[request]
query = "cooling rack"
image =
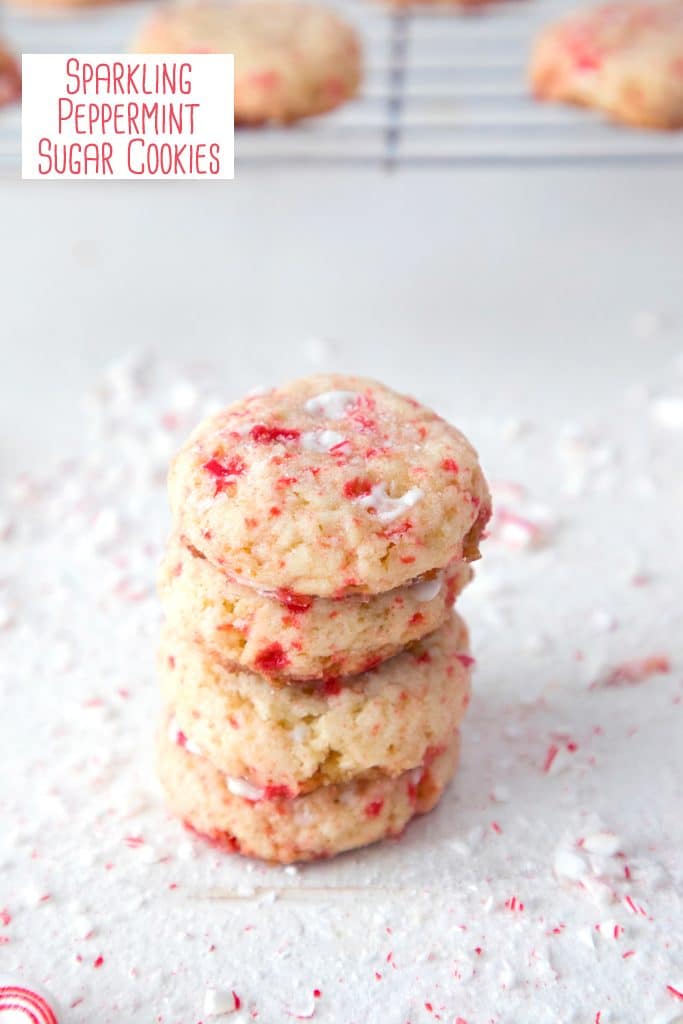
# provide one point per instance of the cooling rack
(443, 88)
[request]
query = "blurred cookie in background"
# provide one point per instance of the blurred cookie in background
(292, 60)
(10, 77)
(625, 59)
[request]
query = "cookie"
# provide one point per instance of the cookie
(316, 637)
(292, 60)
(329, 486)
(625, 59)
(326, 821)
(291, 739)
(10, 77)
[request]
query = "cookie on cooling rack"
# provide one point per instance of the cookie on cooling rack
(10, 77)
(292, 60)
(625, 59)
(326, 821)
(329, 486)
(291, 739)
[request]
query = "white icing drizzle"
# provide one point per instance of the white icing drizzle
(321, 440)
(427, 590)
(177, 736)
(247, 790)
(331, 404)
(386, 508)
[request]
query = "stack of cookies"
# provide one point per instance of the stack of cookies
(314, 672)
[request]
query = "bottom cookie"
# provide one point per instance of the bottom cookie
(319, 824)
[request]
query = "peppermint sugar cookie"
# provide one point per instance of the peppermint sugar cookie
(327, 487)
(623, 58)
(293, 739)
(319, 824)
(316, 637)
(10, 77)
(292, 60)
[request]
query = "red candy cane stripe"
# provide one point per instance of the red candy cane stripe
(33, 1006)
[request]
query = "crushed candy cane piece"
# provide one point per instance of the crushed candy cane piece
(321, 440)
(23, 1002)
(244, 789)
(177, 736)
(637, 670)
(427, 590)
(333, 405)
(386, 508)
(569, 864)
(219, 1002)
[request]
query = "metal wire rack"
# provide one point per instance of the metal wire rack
(444, 87)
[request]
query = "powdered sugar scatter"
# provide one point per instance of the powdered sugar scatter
(566, 804)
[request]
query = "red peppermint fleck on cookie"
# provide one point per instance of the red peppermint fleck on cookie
(24, 1002)
(295, 602)
(272, 658)
(374, 808)
(357, 488)
(465, 659)
(450, 466)
(225, 471)
(262, 434)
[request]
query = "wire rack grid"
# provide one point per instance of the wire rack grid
(444, 86)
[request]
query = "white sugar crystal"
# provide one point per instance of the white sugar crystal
(333, 405)
(218, 1002)
(598, 891)
(459, 847)
(604, 843)
(321, 440)
(386, 508)
(560, 762)
(501, 794)
(245, 789)
(507, 977)
(569, 864)
(586, 937)
(426, 590)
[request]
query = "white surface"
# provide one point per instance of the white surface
(554, 752)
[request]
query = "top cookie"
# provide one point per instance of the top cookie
(10, 77)
(328, 486)
(292, 60)
(623, 58)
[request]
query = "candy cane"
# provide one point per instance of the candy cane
(22, 1005)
